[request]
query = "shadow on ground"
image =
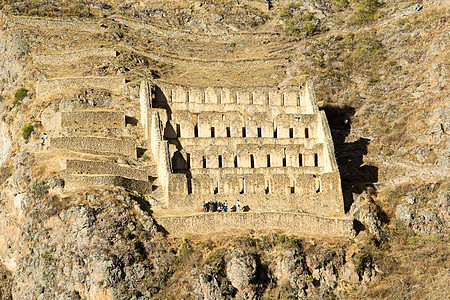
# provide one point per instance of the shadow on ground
(355, 176)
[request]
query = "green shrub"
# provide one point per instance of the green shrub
(365, 11)
(19, 95)
(38, 189)
(26, 131)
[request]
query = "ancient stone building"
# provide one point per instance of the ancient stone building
(269, 148)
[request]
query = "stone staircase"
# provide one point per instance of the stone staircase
(117, 161)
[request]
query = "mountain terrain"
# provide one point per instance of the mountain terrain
(380, 71)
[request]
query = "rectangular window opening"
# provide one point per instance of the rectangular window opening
(284, 161)
(236, 165)
(259, 132)
(291, 133)
(220, 161)
(316, 160)
(267, 190)
(178, 130)
(228, 132)
(204, 162)
(244, 132)
(268, 161)
(306, 133)
(252, 161)
(213, 132)
(300, 160)
(188, 160)
(195, 131)
(189, 186)
(275, 133)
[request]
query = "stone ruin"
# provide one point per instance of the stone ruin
(269, 148)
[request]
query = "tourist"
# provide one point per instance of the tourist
(211, 206)
(205, 206)
(44, 137)
(238, 204)
(225, 206)
(219, 206)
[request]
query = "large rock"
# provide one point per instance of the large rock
(241, 270)
(403, 213)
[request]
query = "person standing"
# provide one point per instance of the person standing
(44, 137)
(225, 206)
(238, 206)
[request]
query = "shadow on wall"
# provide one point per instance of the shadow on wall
(355, 177)
(179, 163)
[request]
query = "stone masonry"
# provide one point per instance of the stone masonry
(270, 149)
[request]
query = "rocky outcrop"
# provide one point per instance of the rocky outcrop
(432, 218)
(5, 142)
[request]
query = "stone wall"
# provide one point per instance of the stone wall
(269, 148)
(61, 58)
(92, 119)
(73, 182)
(47, 87)
(96, 145)
(292, 99)
(85, 167)
(145, 104)
(283, 192)
(230, 223)
(160, 150)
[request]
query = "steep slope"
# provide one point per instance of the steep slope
(381, 70)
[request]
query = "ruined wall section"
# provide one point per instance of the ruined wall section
(96, 145)
(160, 150)
(145, 105)
(67, 57)
(74, 182)
(86, 167)
(51, 86)
(95, 118)
(296, 224)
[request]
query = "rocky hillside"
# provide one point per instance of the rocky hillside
(381, 73)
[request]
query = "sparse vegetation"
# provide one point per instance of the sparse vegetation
(365, 11)
(19, 95)
(299, 23)
(38, 189)
(27, 130)
(43, 8)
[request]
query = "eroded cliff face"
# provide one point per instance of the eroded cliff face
(103, 244)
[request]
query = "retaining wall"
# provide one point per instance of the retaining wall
(229, 223)
(73, 182)
(114, 84)
(62, 58)
(96, 145)
(92, 119)
(81, 167)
